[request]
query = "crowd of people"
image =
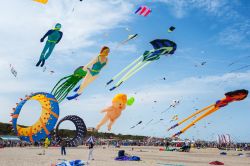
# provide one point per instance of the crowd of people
(9, 143)
(118, 143)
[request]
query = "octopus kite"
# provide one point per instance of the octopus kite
(161, 47)
(89, 72)
(237, 95)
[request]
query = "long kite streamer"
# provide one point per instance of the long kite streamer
(237, 95)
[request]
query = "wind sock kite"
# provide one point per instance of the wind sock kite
(130, 37)
(161, 47)
(136, 125)
(237, 95)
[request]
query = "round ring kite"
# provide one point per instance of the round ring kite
(47, 121)
(81, 130)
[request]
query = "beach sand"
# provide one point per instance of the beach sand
(150, 156)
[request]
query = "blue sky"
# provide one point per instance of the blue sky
(214, 31)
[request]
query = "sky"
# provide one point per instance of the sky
(213, 31)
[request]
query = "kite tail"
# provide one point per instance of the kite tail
(55, 87)
(197, 112)
(61, 90)
(126, 68)
(62, 86)
(177, 134)
(173, 126)
(130, 73)
(66, 91)
(196, 120)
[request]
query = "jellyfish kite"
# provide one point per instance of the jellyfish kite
(161, 47)
(232, 96)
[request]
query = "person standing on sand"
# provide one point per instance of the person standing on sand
(63, 147)
(91, 148)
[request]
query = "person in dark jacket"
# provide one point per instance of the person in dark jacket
(63, 147)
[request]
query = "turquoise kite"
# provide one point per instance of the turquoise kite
(54, 37)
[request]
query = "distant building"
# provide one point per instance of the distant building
(91, 129)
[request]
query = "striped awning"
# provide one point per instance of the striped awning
(9, 138)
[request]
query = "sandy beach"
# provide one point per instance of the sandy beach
(105, 157)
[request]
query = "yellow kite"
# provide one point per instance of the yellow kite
(42, 1)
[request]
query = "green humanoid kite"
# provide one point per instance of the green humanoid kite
(54, 37)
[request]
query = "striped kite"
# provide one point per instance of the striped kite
(143, 11)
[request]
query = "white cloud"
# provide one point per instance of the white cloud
(236, 36)
(182, 8)
(20, 37)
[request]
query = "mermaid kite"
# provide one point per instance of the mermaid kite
(54, 37)
(89, 72)
(161, 47)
